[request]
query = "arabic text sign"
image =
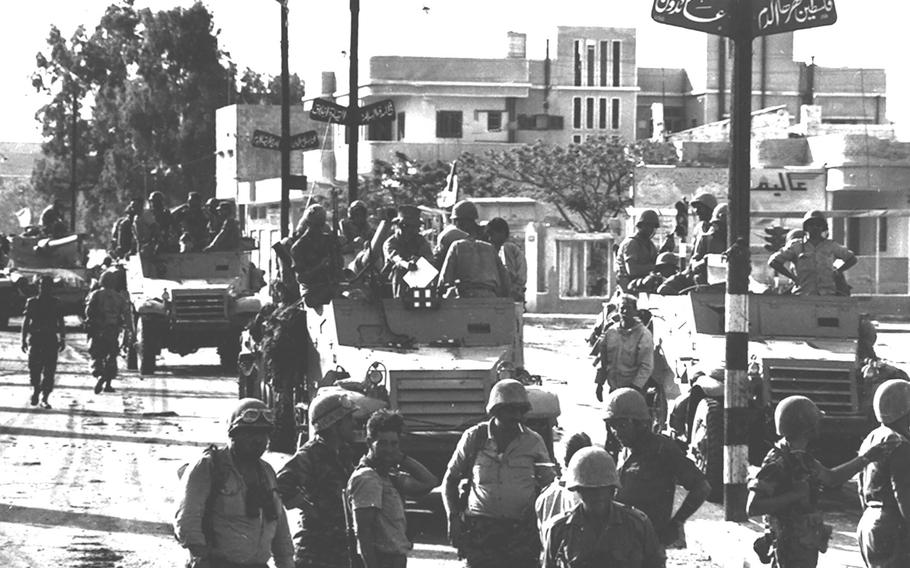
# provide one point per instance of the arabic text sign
(383, 110)
(308, 140)
(778, 16)
(327, 111)
(267, 140)
(711, 16)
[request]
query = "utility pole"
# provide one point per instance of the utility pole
(73, 187)
(353, 111)
(285, 126)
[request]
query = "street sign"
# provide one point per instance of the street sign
(383, 110)
(297, 182)
(778, 16)
(267, 140)
(327, 111)
(711, 16)
(304, 141)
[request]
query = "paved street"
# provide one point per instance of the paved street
(90, 483)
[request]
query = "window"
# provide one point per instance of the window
(590, 61)
(380, 130)
(581, 267)
(882, 234)
(589, 118)
(400, 125)
(617, 49)
(448, 123)
(576, 139)
(614, 114)
(577, 63)
(604, 46)
(576, 112)
(494, 121)
(602, 123)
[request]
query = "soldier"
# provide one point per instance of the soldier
(464, 223)
(211, 213)
(52, 224)
(316, 259)
(193, 223)
(510, 254)
(123, 237)
(651, 466)
(228, 238)
(600, 531)
(154, 227)
(813, 260)
(314, 479)
(665, 269)
(472, 269)
(712, 242)
(377, 490)
(556, 499)
(494, 524)
(703, 204)
(637, 254)
(787, 487)
(405, 247)
(106, 316)
(625, 351)
(354, 230)
(43, 336)
(884, 488)
(230, 514)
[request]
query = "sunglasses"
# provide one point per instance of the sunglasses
(253, 415)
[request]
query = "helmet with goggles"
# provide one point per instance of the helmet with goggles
(251, 414)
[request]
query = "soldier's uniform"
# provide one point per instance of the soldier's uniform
(106, 315)
(316, 261)
(52, 222)
(313, 481)
(798, 532)
(399, 251)
(123, 239)
(44, 332)
(194, 228)
(472, 267)
(633, 250)
(883, 532)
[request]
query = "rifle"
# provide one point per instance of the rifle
(356, 560)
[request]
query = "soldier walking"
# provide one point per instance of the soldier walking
(314, 480)
(107, 314)
(625, 351)
(43, 336)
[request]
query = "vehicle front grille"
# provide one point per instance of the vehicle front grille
(830, 386)
(198, 306)
(443, 400)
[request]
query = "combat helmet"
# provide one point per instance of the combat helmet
(591, 467)
(891, 401)
(250, 414)
(508, 391)
(464, 209)
(705, 198)
(328, 409)
(667, 258)
(648, 217)
(721, 213)
(626, 403)
(314, 215)
(796, 415)
(814, 216)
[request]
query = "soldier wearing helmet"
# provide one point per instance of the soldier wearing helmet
(703, 205)
(230, 513)
(600, 531)
(786, 488)
(123, 236)
(405, 247)
(666, 266)
(494, 525)
(651, 466)
(884, 487)
(317, 261)
(192, 221)
(813, 258)
(556, 498)
(52, 224)
(354, 231)
(472, 269)
(211, 213)
(637, 253)
(43, 336)
(108, 324)
(313, 481)
(228, 237)
(464, 224)
(625, 351)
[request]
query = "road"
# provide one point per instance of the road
(90, 483)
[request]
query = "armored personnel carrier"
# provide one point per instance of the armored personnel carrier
(187, 301)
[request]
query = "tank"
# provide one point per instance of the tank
(62, 259)
(186, 301)
(814, 346)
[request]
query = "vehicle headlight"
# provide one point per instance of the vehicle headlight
(376, 373)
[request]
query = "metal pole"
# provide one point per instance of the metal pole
(736, 386)
(285, 126)
(73, 162)
(352, 127)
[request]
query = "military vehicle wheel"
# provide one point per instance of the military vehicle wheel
(229, 352)
(147, 349)
(707, 445)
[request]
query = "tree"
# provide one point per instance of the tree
(587, 182)
(258, 89)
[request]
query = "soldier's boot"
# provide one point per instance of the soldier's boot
(44, 402)
(35, 395)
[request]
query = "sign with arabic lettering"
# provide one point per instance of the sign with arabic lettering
(778, 16)
(267, 140)
(711, 16)
(327, 111)
(383, 110)
(304, 141)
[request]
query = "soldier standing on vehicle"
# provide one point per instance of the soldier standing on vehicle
(510, 254)
(354, 230)
(556, 499)
(154, 226)
(377, 489)
(405, 247)
(494, 525)
(229, 514)
(52, 224)
(472, 269)
(713, 241)
(625, 351)
(193, 223)
(600, 531)
(316, 258)
(211, 213)
(314, 480)
(228, 238)
(637, 253)
(43, 336)
(884, 487)
(651, 466)
(703, 204)
(813, 259)
(664, 275)
(787, 487)
(123, 237)
(464, 223)
(106, 316)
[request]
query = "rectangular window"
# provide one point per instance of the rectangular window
(448, 123)
(576, 138)
(590, 61)
(400, 125)
(381, 130)
(614, 114)
(604, 47)
(589, 117)
(882, 234)
(494, 121)
(577, 63)
(617, 49)
(602, 123)
(576, 112)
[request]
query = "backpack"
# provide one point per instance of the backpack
(218, 469)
